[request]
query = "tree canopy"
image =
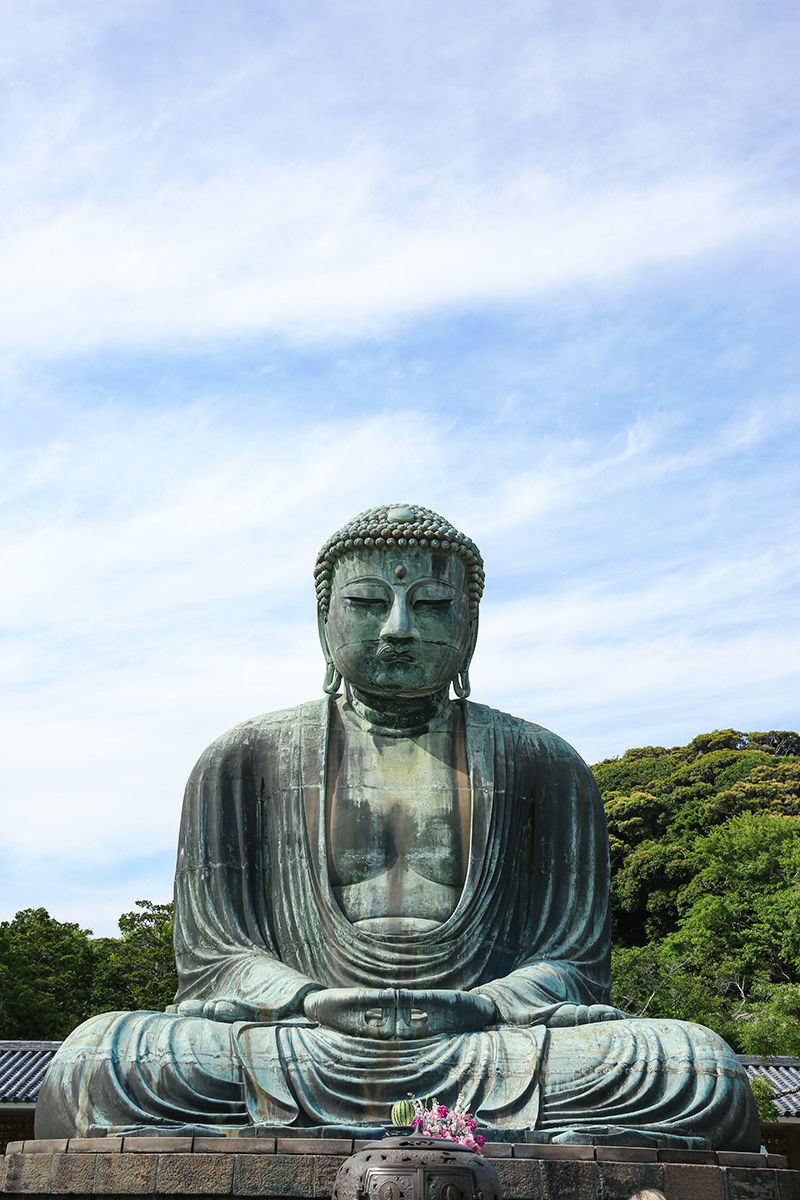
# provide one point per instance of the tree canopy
(53, 974)
(45, 975)
(705, 895)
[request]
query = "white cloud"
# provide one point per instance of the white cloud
(299, 180)
(315, 253)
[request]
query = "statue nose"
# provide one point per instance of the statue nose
(399, 626)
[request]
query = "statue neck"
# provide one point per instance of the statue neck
(398, 716)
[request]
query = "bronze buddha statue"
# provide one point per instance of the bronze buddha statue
(388, 892)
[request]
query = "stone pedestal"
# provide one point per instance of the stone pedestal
(299, 1168)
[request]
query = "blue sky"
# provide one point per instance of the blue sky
(266, 264)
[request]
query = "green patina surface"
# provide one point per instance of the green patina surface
(389, 892)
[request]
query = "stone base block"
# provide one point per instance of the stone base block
(305, 1169)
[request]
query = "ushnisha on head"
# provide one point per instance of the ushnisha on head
(398, 589)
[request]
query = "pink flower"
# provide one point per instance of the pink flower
(480, 1141)
(439, 1121)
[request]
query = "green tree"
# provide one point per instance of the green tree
(54, 975)
(136, 971)
(45, 975)
(659, 802)
(741, 910)
(769, 1021)
(661, 980)
(764, 1092)
(705, 894)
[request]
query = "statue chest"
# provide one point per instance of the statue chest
(397, 826)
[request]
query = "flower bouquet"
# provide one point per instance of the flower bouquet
(439, 1121)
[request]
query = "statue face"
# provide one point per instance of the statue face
(399, 622)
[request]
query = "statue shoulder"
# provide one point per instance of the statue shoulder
(261, 734)
(526, 739)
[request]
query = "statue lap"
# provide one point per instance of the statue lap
(590, 1082)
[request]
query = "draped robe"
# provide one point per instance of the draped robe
(256, 921)
(256, 917)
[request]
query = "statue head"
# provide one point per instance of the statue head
(398, 590)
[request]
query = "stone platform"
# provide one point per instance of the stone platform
(305, 1169)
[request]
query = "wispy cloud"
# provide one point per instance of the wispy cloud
(141, 219)
(309, 253)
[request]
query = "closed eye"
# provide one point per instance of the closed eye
(432, 605)
(365, 604)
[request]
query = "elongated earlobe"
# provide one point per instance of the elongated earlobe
(461, 684)
(333, 680)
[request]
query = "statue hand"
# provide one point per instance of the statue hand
(583, 1014)
(220, 1010)
(398, 1013)
(426, 1013)
(362, 1012)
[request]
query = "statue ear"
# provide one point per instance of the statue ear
(461, 685)
(333, 677)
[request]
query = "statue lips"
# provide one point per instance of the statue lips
(393, 654)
